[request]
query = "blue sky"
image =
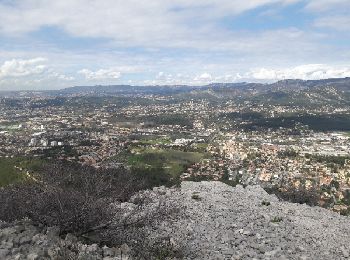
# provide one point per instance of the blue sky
(56, 44)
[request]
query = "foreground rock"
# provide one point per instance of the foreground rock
(22, 240)
(222, 222)
(216, 221)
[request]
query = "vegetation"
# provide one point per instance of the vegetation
(320, 122)
(226, 179)
(201, 147)
(299, 195)
(81, 200)
(155, 176)
(249, 116)
(173, 162)
(13, 170)
(169, 119)
(54, 152)
(336, 122)
(339, 160)
(265, 203)
(196, 196)
(276, 219)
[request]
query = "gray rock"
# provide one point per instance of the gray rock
(300, 234)
(18, 257)
(108, 251)
(54, 252)
(4, 253)
(6, 245)
(345, 252)
(33, 256)
(228, 223)
(71, 238)
(52, 232)
(25, 239)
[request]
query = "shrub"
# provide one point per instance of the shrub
(265, 203)
(196, 196)
(73, 197)
(276, 219)
(299, 195)
(153, 177)
(84, 201)
(133, 229)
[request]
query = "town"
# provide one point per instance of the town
(187, 138)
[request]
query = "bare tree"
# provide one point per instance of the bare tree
(84, 201)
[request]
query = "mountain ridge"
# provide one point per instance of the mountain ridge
(286, 85)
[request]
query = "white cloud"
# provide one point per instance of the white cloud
(338, 22)
(187, 79)
(21, 68)
(306, 72)
(193, 30)
(190, 41)
(30, 74)
(152, 23)
(332, 14)
(204, 77)
(59, 76)
(325, 5)
(100, 74)
(237, 77)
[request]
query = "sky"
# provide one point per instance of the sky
(48, 44)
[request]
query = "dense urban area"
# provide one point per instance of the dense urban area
(291, 137)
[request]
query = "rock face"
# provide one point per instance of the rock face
(217, 222)
(222, 222)
(23, 241)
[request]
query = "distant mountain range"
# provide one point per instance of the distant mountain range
(338, 87)
(288, 84)
(335, 92)
(126, 89)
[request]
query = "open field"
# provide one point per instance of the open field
(172, 161)
(9, 172)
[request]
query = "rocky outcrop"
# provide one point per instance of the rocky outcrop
(222, 222)
(24, 241)
(216, 222)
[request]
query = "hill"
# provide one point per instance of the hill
(284, 92)
(288, 84)
(126, 89)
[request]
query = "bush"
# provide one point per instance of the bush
(154, 177)
(265, 203)
(299, 195)
(85, 201)
(73, 197)
(276, 219)
(133, 226)
(196, 196)
(345, 212)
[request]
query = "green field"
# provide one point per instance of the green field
(172, 161)
(9, 174)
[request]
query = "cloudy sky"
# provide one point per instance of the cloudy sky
(48, 44)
